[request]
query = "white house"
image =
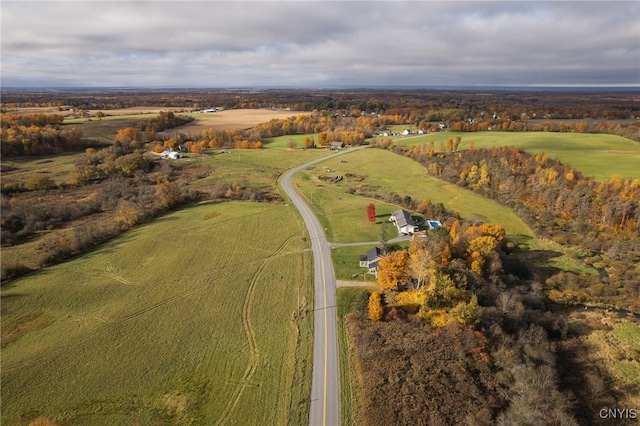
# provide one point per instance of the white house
(171, 155)
(404, 222)
(370, 260)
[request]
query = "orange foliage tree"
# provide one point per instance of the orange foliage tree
(393, 269)
(129, 136)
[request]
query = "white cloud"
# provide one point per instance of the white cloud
(210, 43)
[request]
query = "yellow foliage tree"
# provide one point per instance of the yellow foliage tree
(421, 263)
(454, 231)
(495, 231)
(436, 317)
(411, 300)
(476, 262)
(466, 312)
(483, 245)
(393, 269)
(375, 306)
(126, 214)
(443, 290)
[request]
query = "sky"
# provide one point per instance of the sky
(310, 44)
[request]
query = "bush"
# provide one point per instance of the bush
(14, 270)
(40, 182)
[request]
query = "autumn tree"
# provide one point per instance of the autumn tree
(375, 306)
(126, 215)
(422, 264)
(456, 142)
(467, 313)
(308, 142)
(291, 143)
(492, 230)
(371, 213)
(129, 137)
(393, 269)
(169, 193)
(450, 144)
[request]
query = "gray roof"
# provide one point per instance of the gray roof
(403, 218)
(373, 253)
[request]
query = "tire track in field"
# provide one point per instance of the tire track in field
(252, 363)
(112, 324)
(108, 325)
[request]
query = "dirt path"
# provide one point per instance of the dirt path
(344, 283)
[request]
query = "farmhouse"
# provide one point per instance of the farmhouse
(171, 155)
(370, 260)
(337, 145)
(404, 222)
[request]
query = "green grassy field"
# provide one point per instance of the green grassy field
(137, 116)
(201, 330)
(597, 155)
(58, 168)
(282, 141)
(346, 265)
(345, 215)
(347, 299)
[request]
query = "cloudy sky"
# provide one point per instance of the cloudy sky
(319, 44)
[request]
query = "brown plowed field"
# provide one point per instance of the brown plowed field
(231, 119)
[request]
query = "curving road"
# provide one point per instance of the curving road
(325, 386)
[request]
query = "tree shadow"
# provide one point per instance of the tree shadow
(589, 387)
(538, 262)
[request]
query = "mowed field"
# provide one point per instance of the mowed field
(597, 155)
(190, 319)
(386, 172)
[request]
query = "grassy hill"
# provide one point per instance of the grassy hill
(385, 172)
(181, 321)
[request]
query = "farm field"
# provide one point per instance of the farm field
(142, 331)
(230, 119)
(597, 155)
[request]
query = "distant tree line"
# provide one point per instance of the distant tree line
(412, 104)
(37, 134)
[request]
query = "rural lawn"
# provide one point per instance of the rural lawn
(187, 320)
(385, 172)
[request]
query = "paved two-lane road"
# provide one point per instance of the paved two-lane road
(325, 386)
